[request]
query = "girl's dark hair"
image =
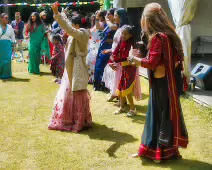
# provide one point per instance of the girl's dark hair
(131, 30)
(83, 22)
(58, 38)
(112, 11)
(142, 47)
(38, 20)
(122, 13)
(102, 14)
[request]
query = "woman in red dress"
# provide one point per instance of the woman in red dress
(164, 130)
(58, 59)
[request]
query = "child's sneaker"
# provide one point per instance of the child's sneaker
(119, 111)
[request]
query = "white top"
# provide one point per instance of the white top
(8, 35)
(116, 38)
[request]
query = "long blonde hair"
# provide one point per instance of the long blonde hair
(154, 20)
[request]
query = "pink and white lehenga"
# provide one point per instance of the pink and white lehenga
(71, 111)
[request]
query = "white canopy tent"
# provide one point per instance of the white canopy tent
(182, 12)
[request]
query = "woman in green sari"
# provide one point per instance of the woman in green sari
(36, 31)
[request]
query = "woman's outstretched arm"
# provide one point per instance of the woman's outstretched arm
(63, 21)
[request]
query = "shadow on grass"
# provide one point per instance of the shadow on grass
(102, 132)
(139, 118)
(144, 96)
(142, 108)
(14, 79)
(178, 164)
(45, 74)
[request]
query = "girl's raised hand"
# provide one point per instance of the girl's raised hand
(55, 8)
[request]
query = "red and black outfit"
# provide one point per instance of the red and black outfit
(58, 61)
(127, 81)
(164, 130)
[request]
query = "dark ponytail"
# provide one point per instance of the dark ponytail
(83, 22)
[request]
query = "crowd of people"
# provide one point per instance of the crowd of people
(101, 50)
(45, 44)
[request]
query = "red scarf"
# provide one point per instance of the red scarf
(175, 109)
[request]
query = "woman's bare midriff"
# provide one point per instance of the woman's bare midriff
(160, 71)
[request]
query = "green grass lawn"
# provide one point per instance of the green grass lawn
(26, 103)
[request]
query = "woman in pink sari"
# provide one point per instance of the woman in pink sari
(71, 110)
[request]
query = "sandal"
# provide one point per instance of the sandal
(136, 155)
(110, 99)
(119, 111)
(131, 113)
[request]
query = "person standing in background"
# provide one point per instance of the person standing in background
(55, 29)
(58, 58)
(18, 26)
(36, 32)
(97, 35)
(7, 41)
(102, 59)
(45, 44)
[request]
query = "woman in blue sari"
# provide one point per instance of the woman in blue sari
(102, 57)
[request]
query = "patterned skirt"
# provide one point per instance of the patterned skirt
(127, 82)
(71, 111)
(57, 66)
(157, 138)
